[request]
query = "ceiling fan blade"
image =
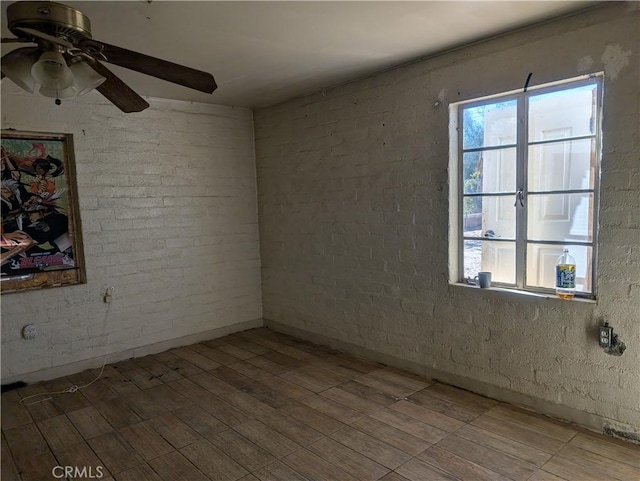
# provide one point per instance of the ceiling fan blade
(171, 72)
(14, 40)
(118, 92)
(37, 34)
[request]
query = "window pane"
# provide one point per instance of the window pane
(560, 217)
(489, 217)
(489, 125)
(490, 171)
(541, 265)
(562, 165)
(499, 258)
(563, 113)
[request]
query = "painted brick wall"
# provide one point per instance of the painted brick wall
(353, 209)
(169, 218)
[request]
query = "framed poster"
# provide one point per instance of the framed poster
(41, 244)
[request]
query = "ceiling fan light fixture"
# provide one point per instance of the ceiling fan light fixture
(85, 79)
(17, 68)
(51, 71)
(57, 94)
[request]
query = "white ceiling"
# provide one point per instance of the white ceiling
(265, 52)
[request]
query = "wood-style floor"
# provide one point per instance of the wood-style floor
(259, 405)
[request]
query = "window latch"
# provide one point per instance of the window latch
(519, 199)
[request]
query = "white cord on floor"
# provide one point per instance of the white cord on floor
(70, 389)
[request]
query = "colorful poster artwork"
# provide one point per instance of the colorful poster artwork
(37, 233)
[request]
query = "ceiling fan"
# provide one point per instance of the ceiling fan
(67, 61)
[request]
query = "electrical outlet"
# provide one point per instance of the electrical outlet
(606, 335)
(29, 331)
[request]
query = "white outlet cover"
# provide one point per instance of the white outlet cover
(29, 331)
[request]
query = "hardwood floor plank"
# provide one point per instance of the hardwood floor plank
(117, 413)
(313, 468)
(241, 450)
(405, 379)
(39, 410)
(8, 468)
(313, 379)
(457, 466)
(267, 365)
(203, 362)
(175, 431)
(598, 463)
(89, 422)
(38, 467)
(518, 433)
(615, 450)
(236, 352)
(59, 432)
(293, 429)
(428, 416)
(25, 442)
(265, 394)
(335, 410)
(144, 472)
(369, 393)
(571, 471)
(410, 425)
(169, 398)
(145, 440)
(200, 421)
(496, 461)
(350, 461)
(114, 452)
(251, 371)
(115, 381)
(267, 438)
(392, 436)
(519, 450)
(158, 369)
(213, 353)
(547, 426)
(287, 388)
(313, 418)
(175, 467)
(226, 413)
(213, 462)
(418, 470)
(82, 456)
(375, 449)
(277, 472)
(178, 364)
(353, 401)
(461, 397)
(444, 406)
(541, 475)
(142, 378)
(387, 387)
(144, 404)
(248, 404)
(287, 361)
(13, 414)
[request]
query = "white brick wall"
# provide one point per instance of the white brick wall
(169, 216)
(353, 208)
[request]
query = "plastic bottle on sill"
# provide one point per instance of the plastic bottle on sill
(566, 276)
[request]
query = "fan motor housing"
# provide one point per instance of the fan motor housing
(49, 17)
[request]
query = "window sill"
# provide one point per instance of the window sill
(515, 292)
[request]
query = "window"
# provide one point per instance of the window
(524, 185)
